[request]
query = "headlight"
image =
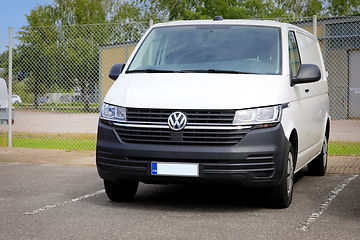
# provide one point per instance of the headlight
(258, 116)
(113, 113)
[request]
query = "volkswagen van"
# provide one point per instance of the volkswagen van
(242, 102)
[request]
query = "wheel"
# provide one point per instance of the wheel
(121, 191)
(317, 167)
(281, 195)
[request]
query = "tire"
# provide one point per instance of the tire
(121, 191)
(281, 195)
(317, 167)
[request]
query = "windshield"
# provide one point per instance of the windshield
(210, 48)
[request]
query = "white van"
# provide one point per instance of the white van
(3, 94)
(4, 103)
(216, 101)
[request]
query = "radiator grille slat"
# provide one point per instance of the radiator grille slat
(185, 137)
(222, 117)
(165, 136)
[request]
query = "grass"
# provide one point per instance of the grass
(87, 141)
(67, 141)
(344, 148)
(60, 107)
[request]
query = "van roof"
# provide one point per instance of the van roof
(223, 22)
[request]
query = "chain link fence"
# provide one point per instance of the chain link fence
(339, 39)
(60, 78)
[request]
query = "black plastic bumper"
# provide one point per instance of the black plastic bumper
(256, 161)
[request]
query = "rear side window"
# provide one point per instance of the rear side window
(294, 54)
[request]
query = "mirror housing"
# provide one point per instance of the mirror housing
(116, 70)
(308, 73)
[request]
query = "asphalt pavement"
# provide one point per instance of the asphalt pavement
(44, 201)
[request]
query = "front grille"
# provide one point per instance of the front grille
(259, 165)
(204, 128)
(195, 117)
(165, 136)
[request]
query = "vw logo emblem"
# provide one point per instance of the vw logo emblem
(177, 121)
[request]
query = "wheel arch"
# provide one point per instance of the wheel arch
(293, 139)
(327, 129)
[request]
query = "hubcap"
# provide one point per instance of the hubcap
(290, 174)
(325, 150)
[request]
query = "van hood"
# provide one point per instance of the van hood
(196, 91)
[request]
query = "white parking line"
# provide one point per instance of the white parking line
(7, 163)
(61, 204)
(323, 206)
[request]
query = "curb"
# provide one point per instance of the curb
(343, 165)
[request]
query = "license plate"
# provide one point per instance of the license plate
(175, 169)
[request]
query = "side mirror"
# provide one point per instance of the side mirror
(115, 70)
(308, 73)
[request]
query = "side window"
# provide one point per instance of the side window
(294, 54)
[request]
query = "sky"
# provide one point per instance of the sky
(12, 14)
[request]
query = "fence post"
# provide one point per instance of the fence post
(151, 22)
(315, 25)
(10, 89)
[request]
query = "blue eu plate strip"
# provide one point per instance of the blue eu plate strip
(153, 168)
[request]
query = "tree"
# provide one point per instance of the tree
(60, 51)
(4, 59)
(344, 7)
(238, 9)
(207, 9)
(301, 8)
(314, 7)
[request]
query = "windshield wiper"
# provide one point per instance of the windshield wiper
(150, 70)
(215, 71)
